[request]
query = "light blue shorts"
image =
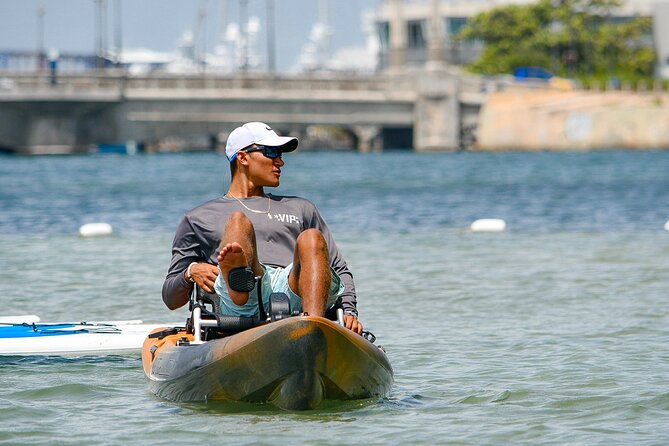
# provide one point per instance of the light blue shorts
(274, 280)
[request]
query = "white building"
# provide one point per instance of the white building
(412, 32)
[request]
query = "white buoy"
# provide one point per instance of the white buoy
(666, 226)
(95, 229)
(488, 225)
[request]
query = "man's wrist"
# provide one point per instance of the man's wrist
(188, 276)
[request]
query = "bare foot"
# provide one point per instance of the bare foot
(232, 256)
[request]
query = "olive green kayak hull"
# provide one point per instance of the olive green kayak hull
(295, 364)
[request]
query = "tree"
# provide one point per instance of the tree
(575, 38)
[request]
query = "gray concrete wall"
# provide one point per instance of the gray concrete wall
(12, 128)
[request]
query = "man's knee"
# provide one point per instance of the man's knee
(312, 240)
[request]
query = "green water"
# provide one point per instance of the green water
(554, 332)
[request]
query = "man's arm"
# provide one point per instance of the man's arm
(185, 250)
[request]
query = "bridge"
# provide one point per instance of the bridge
(43, 112)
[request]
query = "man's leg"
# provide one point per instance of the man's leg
(238, 249)
(310, 277)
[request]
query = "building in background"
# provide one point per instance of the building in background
(407, 33)
(661, 37)
(399, 34)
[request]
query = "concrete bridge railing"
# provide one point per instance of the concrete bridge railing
(120, 82)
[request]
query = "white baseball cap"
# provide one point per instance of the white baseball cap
(256, 133)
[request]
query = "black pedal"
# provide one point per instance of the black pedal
(279, 306)
(242, 279)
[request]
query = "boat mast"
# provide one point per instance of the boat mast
(271, 49)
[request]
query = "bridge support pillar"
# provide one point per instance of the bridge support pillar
(51, 135)
(437, 112)
(52, 128)
(12, 130)
(368, 137)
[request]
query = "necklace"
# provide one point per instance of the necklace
(269, 206)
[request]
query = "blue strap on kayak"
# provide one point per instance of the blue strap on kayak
(36, 330)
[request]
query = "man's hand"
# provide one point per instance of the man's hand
(204, 274)
(352, 323)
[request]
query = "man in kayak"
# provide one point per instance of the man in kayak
(282, 239)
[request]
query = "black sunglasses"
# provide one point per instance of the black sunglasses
(269, 152)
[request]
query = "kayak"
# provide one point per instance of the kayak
(294, 363)
(25, 335)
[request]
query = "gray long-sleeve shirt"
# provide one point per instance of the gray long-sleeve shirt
(198, 237)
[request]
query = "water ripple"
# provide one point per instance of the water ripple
(554, 332)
